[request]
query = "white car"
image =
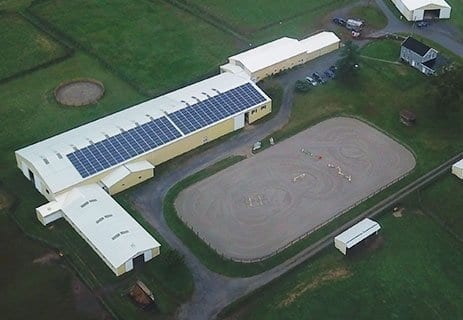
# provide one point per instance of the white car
(311, 81)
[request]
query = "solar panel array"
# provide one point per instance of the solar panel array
(216, 108)
(128, 144)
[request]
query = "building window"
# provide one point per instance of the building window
(253, 111)
(46, 190)
(263, 107)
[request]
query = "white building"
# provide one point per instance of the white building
(281, 54)
(457, 169)
(109, 230)
(356, 234)
(417, 10)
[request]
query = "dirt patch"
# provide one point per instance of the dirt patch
(79, 92)
(5, 200)
(329, 276)
(398, 213)
(47, 259)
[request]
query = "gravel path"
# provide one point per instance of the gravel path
(213, 291)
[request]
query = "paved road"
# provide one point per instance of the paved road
(213, 291)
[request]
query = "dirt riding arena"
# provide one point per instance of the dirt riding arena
(253, 208)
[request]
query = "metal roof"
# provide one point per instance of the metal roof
(282, 49)
(418, 4)
(49, 158)
(358, 232)
(106, 226)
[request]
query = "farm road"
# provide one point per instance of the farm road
(213, 291)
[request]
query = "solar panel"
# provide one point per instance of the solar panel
(216, 108)
(116, 149)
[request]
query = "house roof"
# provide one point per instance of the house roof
(416, 46)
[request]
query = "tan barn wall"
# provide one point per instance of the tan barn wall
(259, 112)
(278, 67)
(131, 180)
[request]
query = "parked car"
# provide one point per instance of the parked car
(311, 81)
(422, 24)
(329, 74)
(339, 21)
(333, 69)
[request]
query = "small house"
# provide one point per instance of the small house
(418, 55)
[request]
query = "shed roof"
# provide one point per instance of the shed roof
(458, 164)
(116, 236)
(418, 4)
(358, 232)
(416, 46)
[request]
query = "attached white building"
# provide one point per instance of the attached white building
(457, 169)
(417, 10)
(356, 234)
(281, 54)
(109, 230)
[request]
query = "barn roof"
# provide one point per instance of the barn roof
(358, 232)
(419, 4)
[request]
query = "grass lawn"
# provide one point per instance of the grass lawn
(456, 15)
(23, 47)
(260, 19)
(413, 273)
(372, 15)
(152, 43)
(386, 89)
(443, 198)
(385, 49)
(28, 104)
(20, 276)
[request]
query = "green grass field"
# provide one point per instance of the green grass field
(443, 198)
(372, 15)
(413, 271)
(155, 45)
(260, 20)
(23, 47)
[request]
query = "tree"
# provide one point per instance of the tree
(349, 61)
(447, 90)
(303, 86)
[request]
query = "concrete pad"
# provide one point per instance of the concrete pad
(257, 206)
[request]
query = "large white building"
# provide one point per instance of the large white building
(457, 169)
(417, 10)
(281, 54)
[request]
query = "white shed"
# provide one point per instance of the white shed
(417, 10)
(356, 234)
(457, 169)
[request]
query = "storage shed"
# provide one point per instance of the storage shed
(457, 169)
(417, 10)
(356, 234)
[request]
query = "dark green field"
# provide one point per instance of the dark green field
(155, 45)
(412, 271)
(261, 21)
(23, 47)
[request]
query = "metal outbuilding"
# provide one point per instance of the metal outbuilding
(356, 234)
(281, 54)
(457, 169)
(417, 10)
